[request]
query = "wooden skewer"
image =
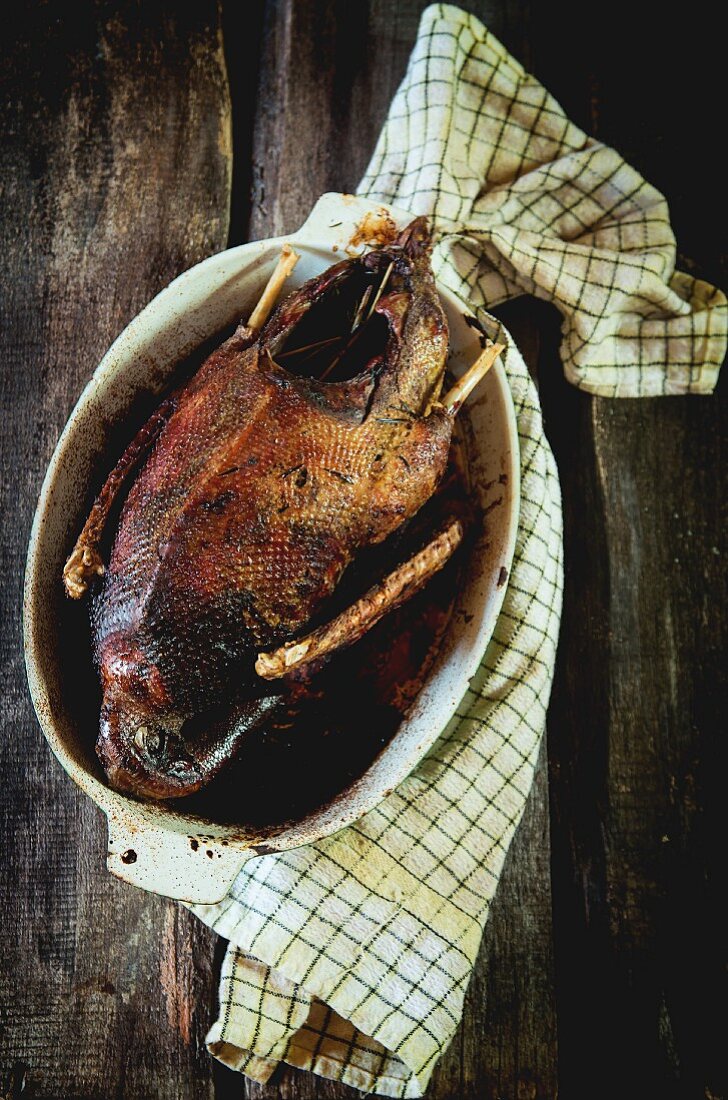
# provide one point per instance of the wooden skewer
(454, 397)
(284, 267)
(362, 306)
(311, 347)
(380, 290)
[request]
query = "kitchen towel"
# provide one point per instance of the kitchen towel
(351, 957)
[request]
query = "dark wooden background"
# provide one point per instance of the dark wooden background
(137, 138)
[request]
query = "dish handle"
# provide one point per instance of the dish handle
(172, 861)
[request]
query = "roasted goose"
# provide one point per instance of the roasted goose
(252, 490)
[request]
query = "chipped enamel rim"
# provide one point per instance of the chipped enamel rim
(156, 847)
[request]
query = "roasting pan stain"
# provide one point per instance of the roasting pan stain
(377, 228)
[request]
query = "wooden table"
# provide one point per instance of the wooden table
(140, 138)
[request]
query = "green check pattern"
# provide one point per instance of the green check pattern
(527, 203)
(351, 957)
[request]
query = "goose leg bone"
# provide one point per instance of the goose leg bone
(362, 615)
(85, 561)
(454, 398)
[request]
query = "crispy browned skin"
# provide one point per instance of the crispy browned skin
(260, 489)
(350, 625)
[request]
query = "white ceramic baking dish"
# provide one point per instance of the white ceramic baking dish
(160, 847)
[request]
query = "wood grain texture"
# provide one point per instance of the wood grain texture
(636, 733)
(116, 172)
(605, 953)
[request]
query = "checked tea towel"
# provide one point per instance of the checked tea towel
(351, 957)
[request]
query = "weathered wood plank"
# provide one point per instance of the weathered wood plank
(509, 1028)
(636, 729)
(115, 166)
(115, 169)
(637, 734)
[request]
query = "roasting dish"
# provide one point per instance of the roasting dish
(166, 847)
